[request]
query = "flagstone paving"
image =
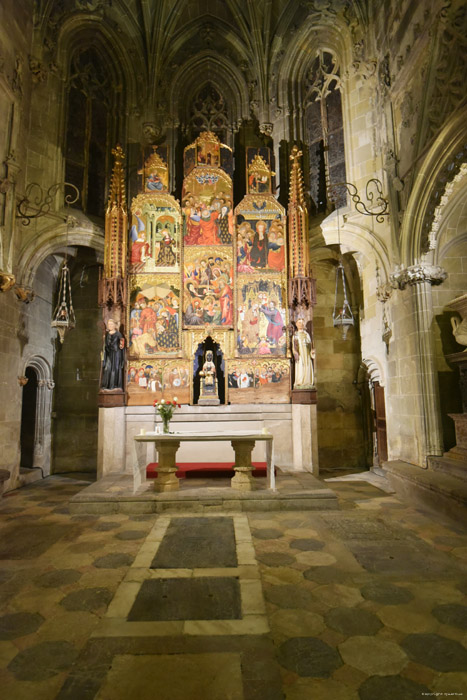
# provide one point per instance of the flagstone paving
(363, 603)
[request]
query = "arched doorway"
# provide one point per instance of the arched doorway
(218, 359)
(374, 413)
(28, 419)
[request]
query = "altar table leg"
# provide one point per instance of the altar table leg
(166, 471)
(243, 479)
(270, 465)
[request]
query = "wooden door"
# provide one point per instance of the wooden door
(380, 423)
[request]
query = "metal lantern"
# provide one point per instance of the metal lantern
(63, 318)
(342, 315)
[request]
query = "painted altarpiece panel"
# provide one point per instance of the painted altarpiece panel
(259, 381)
(261, 234)
(155, 233)
(154, 315)
(208, 287)
(261, 315)
(158, 379)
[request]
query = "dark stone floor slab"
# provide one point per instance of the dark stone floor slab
(29, 541)
(452, 614)
(307, 545)
(86, 547)
(203, 598)
(363, 528)
(436, 652)
(392, 688)
(105, 526)
(267, 534)
(403, 559)
(19, 624)
(326, 574)
(113, 561)
(275, 558)
(386, 593)
(352, 621)
(309, 656)
(87, 599)
(43, 661)
(193, 543)
(57, 578)
(131, 535)
(290, 596)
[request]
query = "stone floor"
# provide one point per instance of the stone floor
(368, 602)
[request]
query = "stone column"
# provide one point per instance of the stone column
(421, 277)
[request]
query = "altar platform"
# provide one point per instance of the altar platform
(298, 491)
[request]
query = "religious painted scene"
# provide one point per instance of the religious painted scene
(233, 349)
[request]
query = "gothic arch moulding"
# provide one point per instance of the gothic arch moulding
(45, 385)
(441, 166)
(371, 367)
(56, 239)
(214, 70)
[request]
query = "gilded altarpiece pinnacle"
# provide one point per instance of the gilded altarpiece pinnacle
(112, 289)
(302, 288)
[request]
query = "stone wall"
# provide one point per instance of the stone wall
(77, 375)
(340, 429)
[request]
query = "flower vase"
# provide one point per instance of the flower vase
(165, 424)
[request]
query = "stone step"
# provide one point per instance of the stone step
(430, 487)
(452, 467)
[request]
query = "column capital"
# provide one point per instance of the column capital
(414, 274)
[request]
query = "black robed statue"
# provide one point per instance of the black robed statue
(113, 357)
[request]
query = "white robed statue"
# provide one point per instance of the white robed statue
(304, 354)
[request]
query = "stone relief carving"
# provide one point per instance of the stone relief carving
(448, 88)
(16, 80)
(459, 328)
(361, 65)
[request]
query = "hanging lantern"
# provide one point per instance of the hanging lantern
(342, 315)
(63, 318)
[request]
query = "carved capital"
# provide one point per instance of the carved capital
(416, 274)
(22, 381)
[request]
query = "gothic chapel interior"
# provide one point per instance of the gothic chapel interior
(257, 211)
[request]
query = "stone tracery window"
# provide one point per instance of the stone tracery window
(324, 129)
(209, 113)
(87, 132)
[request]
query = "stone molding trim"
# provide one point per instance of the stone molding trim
(434, 274)
(45, 385)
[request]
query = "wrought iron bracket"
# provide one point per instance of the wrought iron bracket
(37, 202)
(374, 196)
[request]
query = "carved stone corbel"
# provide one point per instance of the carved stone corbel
(24, 294)
(7, 281)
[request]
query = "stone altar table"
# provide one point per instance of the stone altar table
(167, 444)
